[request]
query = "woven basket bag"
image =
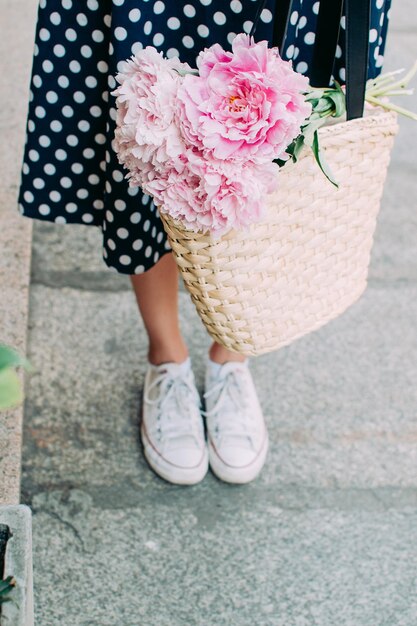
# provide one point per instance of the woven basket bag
(307, 261)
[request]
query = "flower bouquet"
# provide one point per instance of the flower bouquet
(264, 260)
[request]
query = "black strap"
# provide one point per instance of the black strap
(281, 18)
(358, 15)
(325, 43)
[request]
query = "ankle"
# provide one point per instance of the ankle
(167, 354)
(220, 355)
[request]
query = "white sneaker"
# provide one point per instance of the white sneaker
(172, 428)
(237, 434)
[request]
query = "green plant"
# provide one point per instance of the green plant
(6, 586)
(11, 392)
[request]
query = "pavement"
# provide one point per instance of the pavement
(326, 536)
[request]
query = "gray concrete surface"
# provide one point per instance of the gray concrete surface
(326, 536)
(15, 235)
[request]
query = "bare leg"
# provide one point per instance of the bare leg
(157, 295)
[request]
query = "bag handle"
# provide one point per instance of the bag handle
(358, 14)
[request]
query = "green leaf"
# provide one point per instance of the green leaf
(10, 389)
(319, 156)
(11, 358)
(6, 586)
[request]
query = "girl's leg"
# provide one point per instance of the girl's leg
(157, 295)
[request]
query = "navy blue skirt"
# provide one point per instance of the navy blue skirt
(70, 173)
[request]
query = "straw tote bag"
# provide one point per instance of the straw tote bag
(307, 261)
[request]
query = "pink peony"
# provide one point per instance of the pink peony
(146, 128)
(245, 104)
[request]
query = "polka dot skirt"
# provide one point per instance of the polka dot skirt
(70, 173)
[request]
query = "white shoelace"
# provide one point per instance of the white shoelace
(231, 414)
(178, 404)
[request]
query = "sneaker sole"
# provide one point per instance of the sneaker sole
(169, 472)
(237, 475)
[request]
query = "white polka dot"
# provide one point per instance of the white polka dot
(44, 141)
(70, 34)
(55, 196)
(158, 7)
(316, 7)
(33, 155)
(342, 73)
(52, 97)
(107, 20)
(202, 30)
(189, 10)
(31, 126)
(84, 126)
(82, 19)
(134, 15)
(236, 6)
(93, 179)
(25, 168)
(145, 199)
(79, 97)
(302, 22)
(71, 207)
(63, 81)
(82, 194)
(40, 112)
(159, 237)
(97, 36)
(55, 18)
(266, 16)
(301, 67)
(72, 140)
(120, 33)
(123, 233)
(59, 50)
(37, 81)
(60, 154)
(294, 18)
(35, 50)
(172, 52)
(98, 204)
(100, 139)
(47, 66)
(38, 183)
(137, 244)
(138, 45)
(187, 41)
(65, 182)
(296, 53)
(117, 176)
(75, 67)
(135, 218)
(343, 21)
(173, 23)
(67, 4)
(373, 35)
(120, 205)
(247, 26)
(309, 38)
(87, 218)
(125, 259)
(49, 169)
(338, 52)
(67, 111)
(86, 51)
(158, 39)
(44, 34)
(147, 28)
(56, 126)
(148, 251)
(88, 153)
(231, 37)
(219, 18)
(92, 5)
(132, 191)
(379, 4)
(146, 226)
(44, 209)
(139, 269)
(206, 3)
(91, 82)
(102, 67)
(110, 243)
(95, 111)
(60, 220)
(28, 196)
